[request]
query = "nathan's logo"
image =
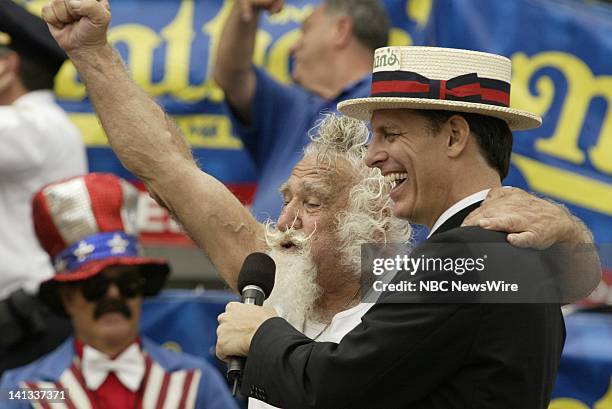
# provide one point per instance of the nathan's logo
(574, 182)
(569, 403)
(387, 58)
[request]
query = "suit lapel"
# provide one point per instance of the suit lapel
(455, 220)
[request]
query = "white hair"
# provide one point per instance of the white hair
(296, 289)
(368, 217)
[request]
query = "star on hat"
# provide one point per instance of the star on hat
(117, 244)
(83, 251)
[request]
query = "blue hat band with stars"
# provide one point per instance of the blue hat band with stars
(98, 246)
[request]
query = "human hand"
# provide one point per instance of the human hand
(532, 222)
(78, 25)
(237, 325)
(249, 7)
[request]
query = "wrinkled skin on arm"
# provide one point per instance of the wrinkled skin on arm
(149, 144)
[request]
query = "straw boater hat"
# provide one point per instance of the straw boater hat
(86, 224)
(436, 78)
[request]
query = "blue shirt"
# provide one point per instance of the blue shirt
(282, 117)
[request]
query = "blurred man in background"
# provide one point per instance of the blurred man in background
(38, 144)
(88, 226)
(332, 61)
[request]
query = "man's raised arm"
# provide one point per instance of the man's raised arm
(147, 141)
(233, 70)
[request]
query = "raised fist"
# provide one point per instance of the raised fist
(78, 24)
(248, 7)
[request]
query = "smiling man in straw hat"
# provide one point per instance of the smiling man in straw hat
(442, 136)
(155, 150)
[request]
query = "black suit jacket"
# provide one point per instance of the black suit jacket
(411, 355)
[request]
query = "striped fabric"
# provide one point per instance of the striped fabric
(159, 389)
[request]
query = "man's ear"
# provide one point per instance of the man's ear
(344, 31)
(13, 62)
(9, 70)
(458, 135)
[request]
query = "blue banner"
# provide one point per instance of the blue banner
(560, 49)
(561, 52)
(584, 379)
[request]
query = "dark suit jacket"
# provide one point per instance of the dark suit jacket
(419, 355)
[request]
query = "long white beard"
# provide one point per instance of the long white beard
(295, 289)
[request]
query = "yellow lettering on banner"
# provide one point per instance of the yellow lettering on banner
(90, 128)
(582, 87)
(419, 10)
(565, 185)
(66, 85)
(213, 29)
(291, 13)
(397, 36)
(278, 59)
(141, 42)
(178, 36)
(201, 131)
(606, 401)
(35, 6)
(566, 403)
(208, 131)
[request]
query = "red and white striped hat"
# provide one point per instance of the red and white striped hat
(88, 223)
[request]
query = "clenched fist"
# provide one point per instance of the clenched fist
(248, 7)
(78, 25)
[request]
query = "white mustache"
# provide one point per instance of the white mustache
(281, 239)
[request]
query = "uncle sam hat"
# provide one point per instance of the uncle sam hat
(88, 223)
(435, 78)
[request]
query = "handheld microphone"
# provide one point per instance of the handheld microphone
(255, 283)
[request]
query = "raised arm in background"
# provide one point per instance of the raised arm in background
(149, 144)
(233, 69)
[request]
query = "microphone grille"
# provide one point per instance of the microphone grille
(258, 269)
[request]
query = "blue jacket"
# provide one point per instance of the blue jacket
(193, 377)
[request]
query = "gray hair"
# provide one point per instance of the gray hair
(370, 21)
(368, 217)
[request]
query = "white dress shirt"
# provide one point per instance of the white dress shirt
(457, 207)
(38, 145)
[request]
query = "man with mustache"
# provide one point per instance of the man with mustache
(316, 195)
(87, 225)
(442, 131)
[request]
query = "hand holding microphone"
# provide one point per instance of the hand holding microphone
(239, 322)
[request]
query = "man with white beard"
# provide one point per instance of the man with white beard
(331, 196)
(333, 204)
